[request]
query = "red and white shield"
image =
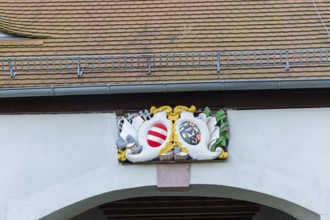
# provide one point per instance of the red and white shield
(157, 135)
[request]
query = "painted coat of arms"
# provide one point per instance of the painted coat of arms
(180, 134)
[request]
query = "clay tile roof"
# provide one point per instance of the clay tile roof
(97, 27)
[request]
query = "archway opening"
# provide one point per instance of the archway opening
(182, 207)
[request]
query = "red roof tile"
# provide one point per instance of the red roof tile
(88, 27)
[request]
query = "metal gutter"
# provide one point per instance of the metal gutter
(163, 87)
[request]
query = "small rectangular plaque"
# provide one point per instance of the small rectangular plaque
(173, 177)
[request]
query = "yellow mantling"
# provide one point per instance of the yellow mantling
(173, 116)
(121, 155)
(223, 155)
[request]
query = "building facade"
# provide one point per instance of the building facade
(71, 69)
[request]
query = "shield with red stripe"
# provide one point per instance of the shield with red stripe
(157, 135)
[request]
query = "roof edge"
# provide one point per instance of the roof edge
(163, 87)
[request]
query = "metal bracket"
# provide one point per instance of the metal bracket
(218, 62)
(287, 64)
(80, 71)
(149, 63)
(12, 72)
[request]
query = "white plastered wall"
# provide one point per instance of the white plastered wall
(7, 36)
(56, 166)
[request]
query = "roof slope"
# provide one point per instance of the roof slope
(88, 27)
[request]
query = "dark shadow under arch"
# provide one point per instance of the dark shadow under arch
(182, 207)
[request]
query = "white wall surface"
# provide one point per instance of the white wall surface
(325, 217)
(6, 36)
(53, 167)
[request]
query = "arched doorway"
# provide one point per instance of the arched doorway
(186, 208)
(264, 201)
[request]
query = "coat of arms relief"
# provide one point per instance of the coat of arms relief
(181, 134)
